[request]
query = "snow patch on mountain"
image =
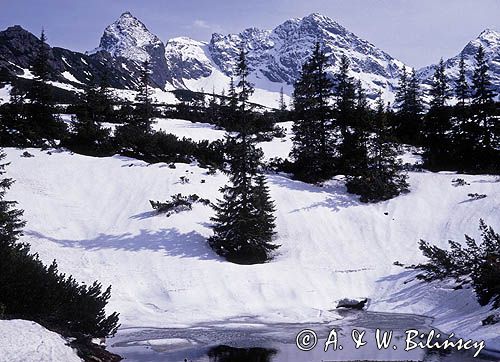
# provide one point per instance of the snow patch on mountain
(5, 93)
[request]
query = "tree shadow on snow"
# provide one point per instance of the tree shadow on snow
(145, 215)
(336, 196)
(171, 241)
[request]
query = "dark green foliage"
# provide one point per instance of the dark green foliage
(192, 106)
(13, 122)
(476, 134)
(143, 106)
(166, 147)
(244, 222)
(42, 125)
(408, 122)
(265, 209)
(353, 118)
(462, 89)
(88, 135)
(381, 176)
(481, 90)
(31, 290)
(133, 136)
(32, 123)
(478, 264)
(313, 149)
(437, 123)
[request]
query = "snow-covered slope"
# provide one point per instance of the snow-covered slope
(490, 40)
(24, 341)
(93, 216)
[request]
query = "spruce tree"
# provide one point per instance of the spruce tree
(10, 218)
(313, 149)
(133, 135)
(462, 87)
(409, 108)
(213, 109)
(13, 125)
(144, 107)
(437, 124)
(265, 208)
(481, 81)
(244, 89)
(483, 130)
(89, 136)
(244, 222)
(401, 91)
(350, 107)
(282, 104)
(104, 110)
(230, 123)
(282, 111)
(43, 126)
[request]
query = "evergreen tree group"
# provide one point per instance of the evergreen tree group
(313, 149)
(93, 108)
(133, 134)
(409, 108)
(464, 137)
(31, 119)
(335, 132)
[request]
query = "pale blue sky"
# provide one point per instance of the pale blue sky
(417, 32)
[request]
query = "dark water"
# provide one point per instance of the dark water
(278, 342)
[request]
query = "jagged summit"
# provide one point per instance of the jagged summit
(128, 37)
(277, 55)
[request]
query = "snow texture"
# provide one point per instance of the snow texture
(25, 341)
(94, 217)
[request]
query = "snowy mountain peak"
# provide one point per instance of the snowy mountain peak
(489, 39)
(490, 35)
(277, 55)
(322, 21)
(128, 37)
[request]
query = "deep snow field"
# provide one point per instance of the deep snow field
(93, 216)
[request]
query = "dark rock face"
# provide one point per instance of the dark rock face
(18, 49)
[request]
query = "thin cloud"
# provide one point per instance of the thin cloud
(203, 24)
